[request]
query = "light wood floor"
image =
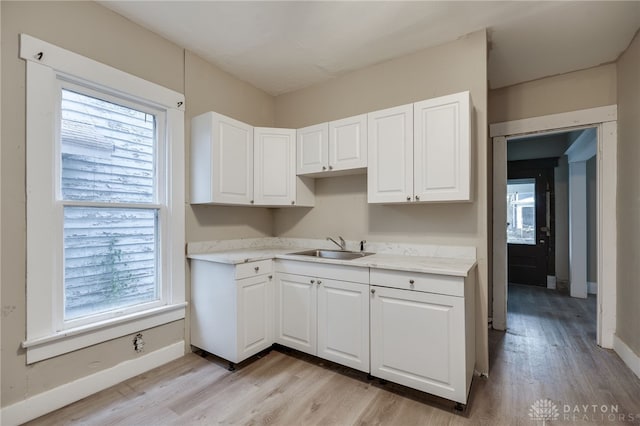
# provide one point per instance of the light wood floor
(549, 352)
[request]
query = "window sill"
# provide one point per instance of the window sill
(80, 337)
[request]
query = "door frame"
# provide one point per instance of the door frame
(604, 119)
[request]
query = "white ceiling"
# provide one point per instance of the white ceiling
(283, 46)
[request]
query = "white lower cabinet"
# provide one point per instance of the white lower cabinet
(296, 312)
(415, 329)
(232, 308)
(420, 339)
(324, 316)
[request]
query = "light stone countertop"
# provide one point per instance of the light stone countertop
(421, 264)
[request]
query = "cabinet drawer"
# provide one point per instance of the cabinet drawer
(430, 283)
(252, 269)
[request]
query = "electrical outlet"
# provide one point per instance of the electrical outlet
(138, 343)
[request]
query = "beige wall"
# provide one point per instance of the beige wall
(573, 91)
(341, 202)
(628, 295)
(207, 88)
(91, 30)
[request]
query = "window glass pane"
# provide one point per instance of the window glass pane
(107, 151)
(521, 211)
(110, 259)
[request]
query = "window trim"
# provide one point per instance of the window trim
(46, 66)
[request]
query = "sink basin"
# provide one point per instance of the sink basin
(333, 254)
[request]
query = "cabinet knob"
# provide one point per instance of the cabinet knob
(411, 282)
(257, 268)
(251, 202)
(417, 198)
(324, 168)
(330, 167)
(270, 277)
(373, 291)
(319, 282)
(313, 281)
(292, 202)
(408, 198)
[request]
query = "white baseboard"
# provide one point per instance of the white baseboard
(51, 400)
(592, 288)
(551, 282)
(628, 356)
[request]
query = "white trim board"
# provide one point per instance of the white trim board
(555, 121)
(51, 400)
(627, 355)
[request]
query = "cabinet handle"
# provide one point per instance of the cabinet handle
(319, 282)
(408, 198)
(417, 198)
(251, 202)
(330, 167)
(270, 277)
(324, 168)
(411, 281)
(292, 203)
(313, 281)
(257, 268)
(373, 291)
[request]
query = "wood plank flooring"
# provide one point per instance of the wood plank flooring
(549, 352)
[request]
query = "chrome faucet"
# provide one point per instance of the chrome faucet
(341, 244)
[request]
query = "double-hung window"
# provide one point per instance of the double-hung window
(105, 203)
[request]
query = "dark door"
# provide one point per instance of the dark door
(531, 251)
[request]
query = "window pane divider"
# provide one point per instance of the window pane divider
(97, 204)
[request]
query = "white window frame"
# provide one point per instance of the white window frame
(48, 69)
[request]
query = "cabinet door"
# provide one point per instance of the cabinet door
(221, 160)
(417, 340)
(274, 166)
(442, 149)
(343, 323)
(296, 312)
(390, 174)
(255, 315)
(348, 143)
(312, 149)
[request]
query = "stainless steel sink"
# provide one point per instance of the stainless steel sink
(333, 254)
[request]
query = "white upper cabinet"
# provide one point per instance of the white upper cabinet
(348, 143)
(390, 175)
(337, 146)
(274, 166)
(221, 160)
(442, 149)
(312, 149)
(421, 152)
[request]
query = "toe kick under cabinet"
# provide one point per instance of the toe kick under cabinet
(422, 331)
(232, 308)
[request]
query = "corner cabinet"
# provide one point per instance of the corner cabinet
(323, 310)
(333, 148)
(423, 331)
(232, 308)
(275, 180)
(221, 160)
(421, 152)
(233, 163)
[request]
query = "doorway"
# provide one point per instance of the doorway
(603, 119)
